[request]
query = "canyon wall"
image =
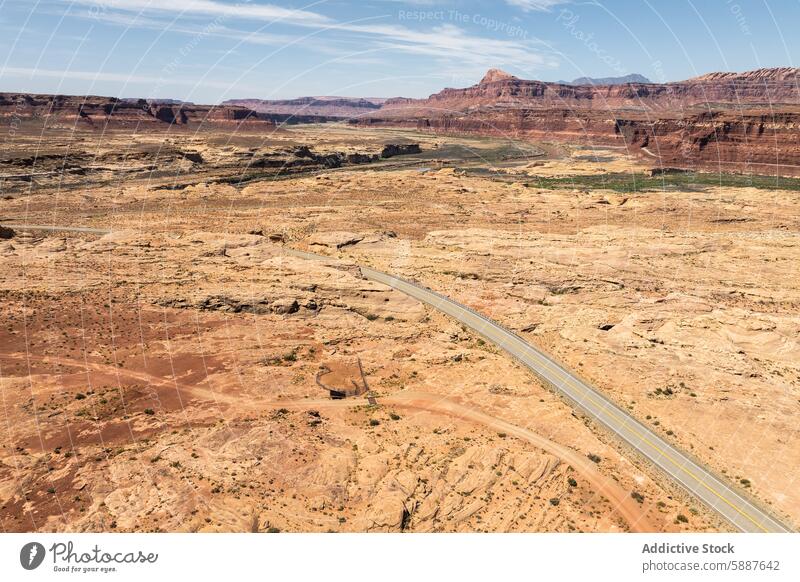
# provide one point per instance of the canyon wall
(725, 122)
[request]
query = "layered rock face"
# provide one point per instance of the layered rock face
(727, 121)
(497, 88)
(93, 110)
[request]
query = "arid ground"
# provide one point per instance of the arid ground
(174, 374)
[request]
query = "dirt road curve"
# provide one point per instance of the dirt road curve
(735, 507)
(620, 499)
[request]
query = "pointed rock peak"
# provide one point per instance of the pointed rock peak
(494, 75)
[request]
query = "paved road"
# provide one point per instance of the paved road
(714, 492)
(695, 478)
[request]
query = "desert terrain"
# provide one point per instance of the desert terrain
(175, 373)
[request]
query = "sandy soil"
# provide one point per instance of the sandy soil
(163, 377)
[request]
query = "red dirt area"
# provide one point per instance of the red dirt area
(82, 381)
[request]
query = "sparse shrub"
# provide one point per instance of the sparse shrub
(745, 482)
(290, 357)
(149, 411)
(682, 518)
(572, 482)
(374, 422)
(273, 530)
(502, 435)
(371, 316)
(51, 490)
(394, 416)
(554, 501)
(637, 496)
(594, 458)
(80, 396)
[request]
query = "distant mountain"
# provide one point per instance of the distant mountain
(632, 78)
(341, 107)
(156, 101)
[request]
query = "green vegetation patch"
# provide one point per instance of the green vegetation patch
(691, 181)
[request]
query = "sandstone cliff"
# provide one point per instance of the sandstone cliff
(728, 121)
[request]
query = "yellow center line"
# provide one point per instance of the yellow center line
(612, 411)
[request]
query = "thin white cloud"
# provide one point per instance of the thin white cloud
(536, 5)
(220, 31)
(446, 42)
(33, 73)
(264, 12)
(451, 42)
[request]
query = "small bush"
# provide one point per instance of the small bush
(572, 482)
(374, 422)
(371, 316)
(51, 490)
(80, 396)
(682, 518)
(637, 496)
(554, 501)
(394, 416)
(594, 458)
(502, 435)
(273, 530)
(149, 411)
(745, 482)
(290, 357)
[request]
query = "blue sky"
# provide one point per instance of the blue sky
(210, 50)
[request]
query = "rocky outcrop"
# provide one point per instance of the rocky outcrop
(392, 150)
